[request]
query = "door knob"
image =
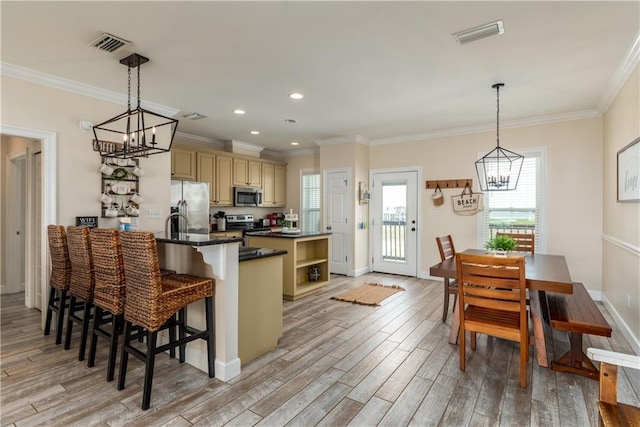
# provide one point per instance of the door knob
(328, 227)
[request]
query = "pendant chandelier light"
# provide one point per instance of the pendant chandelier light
(136, 132)
(499, 170)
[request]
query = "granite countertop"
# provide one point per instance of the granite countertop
(248, 253)
(286, 235)
(196, 239)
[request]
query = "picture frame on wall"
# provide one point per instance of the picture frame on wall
(628, 165)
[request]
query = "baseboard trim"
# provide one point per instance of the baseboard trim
(624, 328)
(362, 270)
(595, 295)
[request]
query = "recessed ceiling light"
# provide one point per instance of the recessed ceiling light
(295, 143)
(238, 111)
(290, 121)
(296, 95)
(255, 132)
(480, 32)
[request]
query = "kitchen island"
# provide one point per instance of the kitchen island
(201, 255)
(306, 264)
(260, 302)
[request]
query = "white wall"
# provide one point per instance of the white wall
(574, 188)
(33, 106)
(621, 229)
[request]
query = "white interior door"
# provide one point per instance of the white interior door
(15, 226)
(37, 228)
(394, 222)
(337, 214)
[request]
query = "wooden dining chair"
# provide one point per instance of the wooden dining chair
(447, 250)
(493, 290)
(612, 412)
(525, 242)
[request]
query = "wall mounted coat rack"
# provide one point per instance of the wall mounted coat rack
(449, 183)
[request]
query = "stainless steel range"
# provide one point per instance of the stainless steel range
(246, 223)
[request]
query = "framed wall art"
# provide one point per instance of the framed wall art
(629, 172)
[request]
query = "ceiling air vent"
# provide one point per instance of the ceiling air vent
(109, 42)
(480, 32)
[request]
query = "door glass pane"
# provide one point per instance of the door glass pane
(394, 221)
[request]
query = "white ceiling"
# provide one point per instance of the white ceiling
(381, 70)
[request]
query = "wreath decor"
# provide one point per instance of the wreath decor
(119, 174)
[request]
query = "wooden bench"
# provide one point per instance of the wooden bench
(577, 314)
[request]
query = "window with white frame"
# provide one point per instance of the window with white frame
(521, 210)
(310, 202)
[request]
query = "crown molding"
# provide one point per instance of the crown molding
(301, 152)
(621, 75)
(532, 121)
(56, 82)
(234, 143)
(199, 140)
(348, 139)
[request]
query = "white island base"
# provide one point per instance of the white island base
(219, 262)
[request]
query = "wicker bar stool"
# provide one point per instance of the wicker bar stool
(59, 279)
(151, 302)
(109, 295)
(81, 285)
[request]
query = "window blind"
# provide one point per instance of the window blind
(310, 214)
(520, 210)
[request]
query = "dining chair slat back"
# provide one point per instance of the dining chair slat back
(493, 290)
(525, 242)
(447, 250)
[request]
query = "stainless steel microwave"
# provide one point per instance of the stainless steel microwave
(247, 196)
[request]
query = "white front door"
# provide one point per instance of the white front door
(394, 222)
(337, 213)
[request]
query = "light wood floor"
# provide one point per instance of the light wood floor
(337, 364)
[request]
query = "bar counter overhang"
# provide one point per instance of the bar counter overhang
(217, 258)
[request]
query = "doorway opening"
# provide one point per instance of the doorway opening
(40, 209)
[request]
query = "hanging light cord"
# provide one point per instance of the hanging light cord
(498, 115)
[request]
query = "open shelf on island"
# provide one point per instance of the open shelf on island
(306, 264)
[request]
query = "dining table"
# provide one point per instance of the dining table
(543, 273)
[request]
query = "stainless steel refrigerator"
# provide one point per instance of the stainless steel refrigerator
(192, 200)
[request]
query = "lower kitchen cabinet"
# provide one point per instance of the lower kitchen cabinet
(259, 307)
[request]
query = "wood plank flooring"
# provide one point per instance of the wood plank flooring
(337, 364)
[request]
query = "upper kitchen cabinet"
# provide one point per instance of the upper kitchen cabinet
(183, 164)
(218, 172)
(247, 173)
(274, 185)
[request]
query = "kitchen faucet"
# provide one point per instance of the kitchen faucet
(166, 223)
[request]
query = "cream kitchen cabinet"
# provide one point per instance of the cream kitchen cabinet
(217, 171)
(247, 173)
(274, 185)
(183, 164)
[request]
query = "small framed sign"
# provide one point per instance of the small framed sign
(87, 221)
(629, 173)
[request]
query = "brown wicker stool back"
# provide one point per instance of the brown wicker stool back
(153, 300)
(81, 286)
(59, 279)
(108, 295)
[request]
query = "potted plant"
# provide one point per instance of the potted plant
(501, 243)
